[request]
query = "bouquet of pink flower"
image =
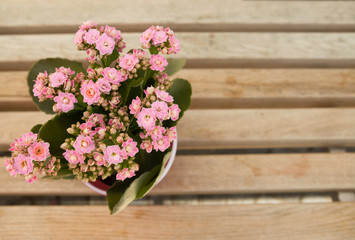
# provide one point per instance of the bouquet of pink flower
(114, 121)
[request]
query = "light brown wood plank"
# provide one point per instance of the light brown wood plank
(218, 49)
(333, 221)
(228, 15)
(223, 174)
(242, 128)
(231, 88)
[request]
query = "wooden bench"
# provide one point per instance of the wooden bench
(266, 75)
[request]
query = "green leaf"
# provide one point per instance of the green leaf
(124, 92)
(55, 130)
(49, 65)
(36, 128)
(121, 194)
(181, 91)
(112, 57)
(136, 82)
(146, 188)
(174, 65)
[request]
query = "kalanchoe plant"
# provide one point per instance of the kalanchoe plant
(114, 120)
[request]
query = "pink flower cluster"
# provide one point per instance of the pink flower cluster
(156, 107)
(162, 38)
(57, 86)
(100, 87)
(30, 157)
(98, 41)
(89, 157)
(131, 62)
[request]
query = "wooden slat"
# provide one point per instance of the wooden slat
(201, 49)
(333, 221)
(242, 128)
(228, 15)
(231, 88)
(223, 174)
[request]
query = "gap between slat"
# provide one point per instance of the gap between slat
(226, 27)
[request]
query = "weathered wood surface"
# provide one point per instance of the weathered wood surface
(223, 174)
(334, 221)
(200, 49)
(229, 15)
(231, 88)
(233, 128)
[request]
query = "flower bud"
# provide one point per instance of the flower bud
(72, 165)
(76, 171)
(71, 131)
(55, 108)
(119, 139)
(91, 162)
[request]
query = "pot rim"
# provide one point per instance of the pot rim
(101, 188)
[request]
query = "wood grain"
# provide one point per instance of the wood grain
(231, 88)
(221, 49)
(229, 15)
(223, 174)
(241, 128)
(334, 221)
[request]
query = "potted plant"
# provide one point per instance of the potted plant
(114, 121)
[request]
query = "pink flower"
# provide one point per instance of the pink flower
(99, 159)
(171, 134)
(131, 147)
(174, 45)
(140, 54)
(91, 36)
(84, 144)
(79, 36)
(96, 118)
(105, 44)
(112, 75)
(157, 132)
(57, 79)
(23, 164)
(66, 71)
(113, 32)
(158, 63)
(146, 118)
(86, 128)
(91, 53)
(135, 106)
(147, 35)
(150, 90)
(128, 62)
(147, 145)
(161, 110)
(104, 85)
(159, 37)
(73, 157)
(30, 178)
(65, 101)
(161, 144)
(9, 165)
(113, 154)
(125, 173)
(28, 138)
(39, 88)
(90, 92)
(164, 96)
(16, 146)
(174, 111)
(39, 151)
(88, 24)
